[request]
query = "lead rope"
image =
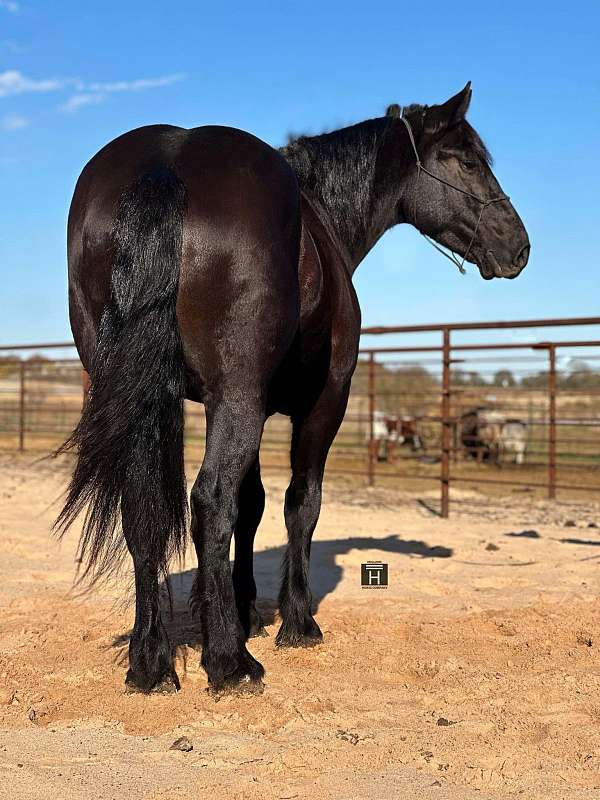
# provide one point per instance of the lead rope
(451, 256)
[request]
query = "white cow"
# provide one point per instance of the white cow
(513, 440)
(385, 434)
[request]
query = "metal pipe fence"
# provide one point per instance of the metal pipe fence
(407, 414)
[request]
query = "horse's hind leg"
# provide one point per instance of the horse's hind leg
(150, 657)
(234, 430)
(251, 506)
(312, 436)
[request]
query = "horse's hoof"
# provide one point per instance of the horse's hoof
(257, 631)
(169, 684)
(298, 641)
(244, 686)
(255, 626)
(245, 678)
(309, 636)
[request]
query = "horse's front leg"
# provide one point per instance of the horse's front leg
(312, 436)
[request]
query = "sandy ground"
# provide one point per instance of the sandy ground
(474, 675)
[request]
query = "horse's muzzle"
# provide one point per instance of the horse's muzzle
(492, 268)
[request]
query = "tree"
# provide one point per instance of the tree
(460, 377)
(537, 381)
(504, 378)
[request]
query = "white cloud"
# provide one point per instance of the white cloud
(136, 86)
(14, 82)
(78, 101)
(13, 122)
(94, 93)
(10, 5)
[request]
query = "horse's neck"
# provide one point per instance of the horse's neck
(338, 173)
(353, 250)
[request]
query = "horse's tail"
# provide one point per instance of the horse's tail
(130, 435)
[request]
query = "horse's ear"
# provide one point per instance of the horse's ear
(439, 118)
(393, 111)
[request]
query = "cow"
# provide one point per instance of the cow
(391, 431)
(513, 440)
(487, 435)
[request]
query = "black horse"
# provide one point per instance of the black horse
(205, 264)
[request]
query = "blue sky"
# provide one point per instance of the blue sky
(75, 75)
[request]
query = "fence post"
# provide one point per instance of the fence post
(446, 423)
(552, 421)
(21, 406)
(371, 391)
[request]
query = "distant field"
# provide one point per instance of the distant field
(54, 396)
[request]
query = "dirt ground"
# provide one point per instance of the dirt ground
(475, 674)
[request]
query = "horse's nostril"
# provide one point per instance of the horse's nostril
(522, 257)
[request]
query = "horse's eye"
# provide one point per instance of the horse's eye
(469, 165)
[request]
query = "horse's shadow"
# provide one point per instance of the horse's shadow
(325, 575)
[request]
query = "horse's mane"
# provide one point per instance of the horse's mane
(335, 166)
